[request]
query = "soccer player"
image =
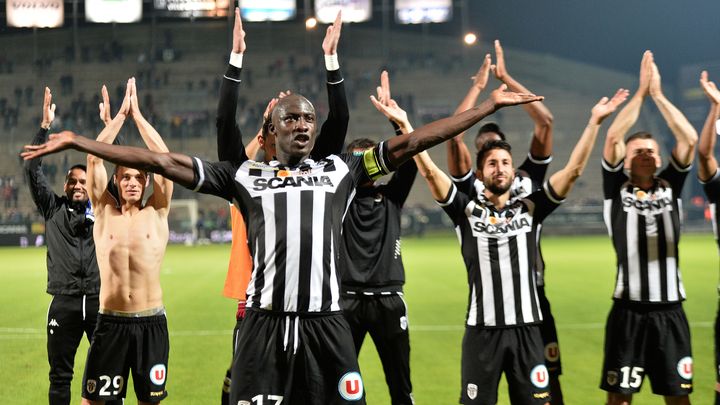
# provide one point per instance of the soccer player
(647, 332)
(229, 138)
(130, 240)
(73, 278)
(293, 334)
(496, 233)
(709, 176)
(529, 177)
(372, 273)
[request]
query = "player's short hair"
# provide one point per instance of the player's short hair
(266, 126)
(117, 167)
(638, 135)
(77, 166)
(491, 145)
(490, 127)
(360, 143)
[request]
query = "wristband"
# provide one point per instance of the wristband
(331, 62)
(236, 59)
(398, 131)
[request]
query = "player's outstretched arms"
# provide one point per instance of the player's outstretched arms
(40, 189)
(403, 147)
(333, 131)
(174, 166)
(706, 148)
(614, 149)
(163, 187)
(458, 156)
(563, 181)
(684, 133)
(229, 136)
(541, 145)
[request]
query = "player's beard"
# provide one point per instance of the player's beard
(498, 189)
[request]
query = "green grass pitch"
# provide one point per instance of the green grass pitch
(580, 279)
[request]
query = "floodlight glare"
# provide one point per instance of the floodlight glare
(311, 23)
(470, 38)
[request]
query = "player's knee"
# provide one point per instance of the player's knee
(618, 399)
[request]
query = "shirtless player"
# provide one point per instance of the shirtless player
(130, 240)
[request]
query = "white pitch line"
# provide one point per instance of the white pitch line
(30, 333)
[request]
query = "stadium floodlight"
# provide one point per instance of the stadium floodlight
(470, 38)
(311, 23)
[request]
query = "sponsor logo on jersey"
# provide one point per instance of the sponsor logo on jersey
(54, 323)
(552, 352)
(272, 183)
(91, 386)
(157, 393)
(351, 386)
(539, 376)
(398, 247)
(685, 367)
(243, 403)
(503, 227)
(686, 386)
(541, 395)
(612, 378)
(472, 391)
(158, 373)
(647, 203)
(403, 322)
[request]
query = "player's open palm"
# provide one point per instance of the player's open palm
(332, 36)
(55, 143)
(503, 98)
(48, 109)
(238, 33)
(607, 106)
(710, 89)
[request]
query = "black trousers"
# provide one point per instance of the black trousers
(384, 317)
(69, 317)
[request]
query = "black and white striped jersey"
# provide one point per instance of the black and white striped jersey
(712, 190)
(529, 177)
(293, 217)
(645, 229)
(499, 250)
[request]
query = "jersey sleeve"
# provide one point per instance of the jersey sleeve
(544, 202)
(536, 169)
(454, 204)
(215, 178)
(613, 178)
(465, 183)
(40, 189)
(229, 137)
(675, 174)
(334, 130)
(712, 187)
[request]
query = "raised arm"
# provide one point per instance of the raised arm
(229, 137)
(541, 145)
(40, 189)
(162, 187)
(334, 130)
(174, 166)
(684, 133)
(706, 148)
(459, 158)
(563, 181)
(403, 147)
(97, 178)
(614, 149)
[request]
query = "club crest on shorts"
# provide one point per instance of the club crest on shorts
(612, 377)
(539, 376)
(552, 352)
(91, 386)
(157, 374)
(350, 386)
(472, 391)
(403, 322)
(685, 367)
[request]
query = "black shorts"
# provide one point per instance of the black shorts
(517, 351)
(121, 344)
(549, 335)
(296, 359)
(647, 339)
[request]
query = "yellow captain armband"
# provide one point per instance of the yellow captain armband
(373, 166)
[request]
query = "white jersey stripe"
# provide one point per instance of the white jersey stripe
(316, 277)
(292, 250)
(634, 256)
(486, 278)
(671, 261)
(334, 286)
(525, 282)
(506, 277)
(266, 294)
